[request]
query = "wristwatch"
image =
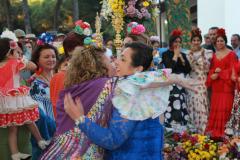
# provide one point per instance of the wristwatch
(80, 120)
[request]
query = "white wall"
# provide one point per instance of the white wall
(220, 13)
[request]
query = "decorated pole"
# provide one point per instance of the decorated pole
(98, 38)
(117, 21)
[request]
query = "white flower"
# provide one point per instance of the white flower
(87, 32)
(9, 34)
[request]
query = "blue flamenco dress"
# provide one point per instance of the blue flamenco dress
(40, 92)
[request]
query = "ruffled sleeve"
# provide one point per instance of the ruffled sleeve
(135, 104)
(226, 74)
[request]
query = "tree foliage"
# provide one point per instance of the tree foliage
(42, 14)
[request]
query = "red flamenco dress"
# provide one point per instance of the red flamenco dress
(16, 106)
(222, 95)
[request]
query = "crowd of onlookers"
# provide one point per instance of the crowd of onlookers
(43, 71)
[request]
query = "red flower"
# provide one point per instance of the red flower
(221, 32)
(206, 146)
(176, 137)
(82, 24)
(176, 32)
(185, 135)
(194, 140)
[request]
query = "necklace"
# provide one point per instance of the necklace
(45, 78)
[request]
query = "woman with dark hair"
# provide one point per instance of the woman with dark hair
(222, 85)
(122, 138)
(198, 103)
(73, 39)
(176, 116)
(44, 57)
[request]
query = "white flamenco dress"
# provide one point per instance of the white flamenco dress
(135, 103)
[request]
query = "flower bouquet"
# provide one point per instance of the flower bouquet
(229, 149)
(183, 146)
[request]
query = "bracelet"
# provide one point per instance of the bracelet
(80, 120)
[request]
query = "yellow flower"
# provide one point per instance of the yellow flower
(145, 4)
(61, 50)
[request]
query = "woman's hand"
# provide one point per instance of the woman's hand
(73, 109)
(214, 76)
(217, 70)
(176, 52)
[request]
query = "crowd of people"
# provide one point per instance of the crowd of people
(79, 101)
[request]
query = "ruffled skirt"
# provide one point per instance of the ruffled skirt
(220, 112)
(17, 107)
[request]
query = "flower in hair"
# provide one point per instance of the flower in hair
(45, 38)
(13, 44)
(9, 34)
(155, 38)
(221, 32)
(135, 28)
(176, 32)
(88, 41)
(196, 32)
(82, 28)
(82, 24)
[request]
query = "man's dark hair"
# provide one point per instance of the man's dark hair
(213, 28)
(236, 35)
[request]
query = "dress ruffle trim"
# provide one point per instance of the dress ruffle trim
(12, 104)
(136, 104)
(19, 118)
(21, 91)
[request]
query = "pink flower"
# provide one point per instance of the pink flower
(78, 23)
(13, 45)
(39, 42)
(140, 28)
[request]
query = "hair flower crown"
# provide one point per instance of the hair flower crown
(176, 32)
(221, 32)
(45, 38)
(84, 28)
(135, 28)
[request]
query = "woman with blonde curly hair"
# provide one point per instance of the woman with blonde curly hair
(86, 78)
